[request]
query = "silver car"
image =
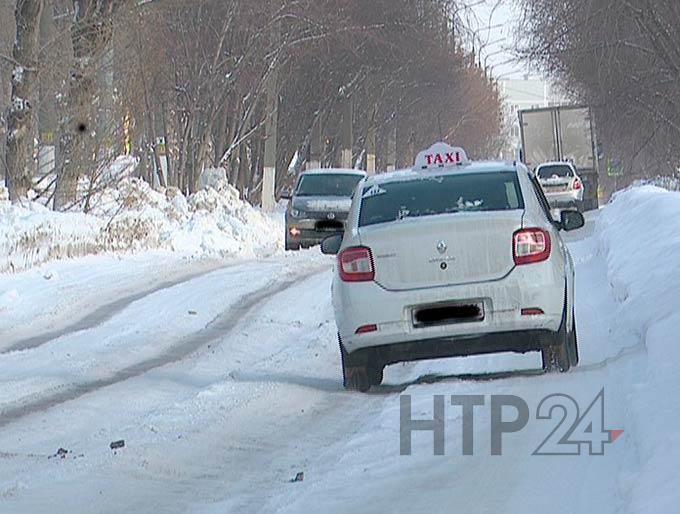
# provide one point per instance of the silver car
(451, 258)
(319, 205)
(561, 184)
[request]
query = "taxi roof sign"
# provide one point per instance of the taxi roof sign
(440, 155)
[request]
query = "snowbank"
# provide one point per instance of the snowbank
(640, 236)
(670, 183)
(133, 217)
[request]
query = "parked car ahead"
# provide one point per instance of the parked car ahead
(561, 184)
(452, 258)
(319, 205)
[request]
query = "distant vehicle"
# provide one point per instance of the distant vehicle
(452, 258)
(561, 184)
(563, 134)
(319, 205)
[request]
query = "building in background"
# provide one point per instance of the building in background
(520, 94)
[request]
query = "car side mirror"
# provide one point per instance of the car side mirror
(571, 220)
(331, 245)
(286, 195)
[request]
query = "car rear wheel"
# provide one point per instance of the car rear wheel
(359, 375)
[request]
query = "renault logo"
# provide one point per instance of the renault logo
(331, 215)
(441, 247)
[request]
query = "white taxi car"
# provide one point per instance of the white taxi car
(451, 258)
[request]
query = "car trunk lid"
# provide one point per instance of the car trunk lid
(557, 184)
(443, 250)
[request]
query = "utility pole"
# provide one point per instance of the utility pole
(315, 145)
(391, 147)
(370, 146)
(271, 125)
(347, 142)
(47, 113)
(269, 173)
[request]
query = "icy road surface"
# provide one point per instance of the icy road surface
(224, 383)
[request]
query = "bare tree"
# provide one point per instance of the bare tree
(21, 114)
(91, 33)
(623, 57)
(194, 84)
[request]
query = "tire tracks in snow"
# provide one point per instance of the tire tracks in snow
(218, 328)
(103, 313)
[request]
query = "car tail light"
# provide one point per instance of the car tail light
(531, 245)
(356, 264)
(367, 329)
(577, 184)
(535, 311)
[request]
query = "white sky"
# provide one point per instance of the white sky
(494, 22)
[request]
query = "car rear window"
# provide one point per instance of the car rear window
(335, 184)
(558, 170)
(447, 194)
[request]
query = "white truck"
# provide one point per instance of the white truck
(563, 134)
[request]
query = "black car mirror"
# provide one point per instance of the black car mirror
(571, 220)
(331, 245)
(286, 195)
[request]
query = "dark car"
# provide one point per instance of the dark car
(319, 206)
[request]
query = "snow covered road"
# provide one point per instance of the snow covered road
(225, 383)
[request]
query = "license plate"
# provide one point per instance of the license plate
(447, 313)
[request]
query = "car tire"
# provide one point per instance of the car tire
(358, 376)
(556, 356)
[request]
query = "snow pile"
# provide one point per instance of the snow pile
(670, 183)
(123, 166)
(640, 236)
(31, 234)
(212, 177)
(133, 217)
(640, 233)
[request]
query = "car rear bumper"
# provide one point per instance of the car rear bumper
(539, 286)
(443, 347)
(564, 199)
(310, 237)
(307, 232)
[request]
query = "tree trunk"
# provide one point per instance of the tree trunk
(90, 34)
(20, 115)
(168, 146)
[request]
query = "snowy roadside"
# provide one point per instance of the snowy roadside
(55, 295)
(132, 217)
(641, 244)
(70, 270)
